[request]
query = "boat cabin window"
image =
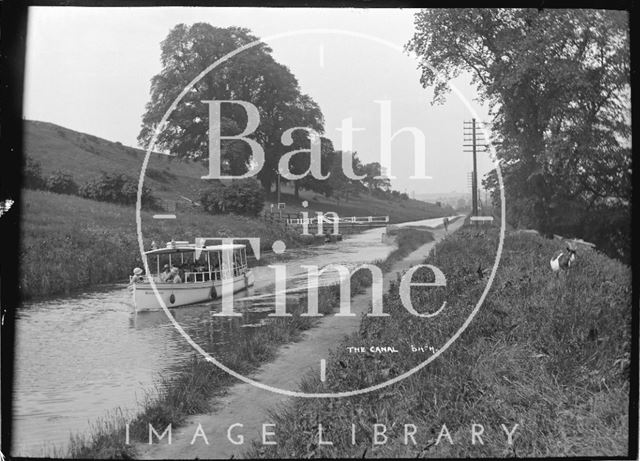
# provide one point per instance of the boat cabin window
(239, 261)
(209, 265)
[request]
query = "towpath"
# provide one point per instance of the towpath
(249, 405)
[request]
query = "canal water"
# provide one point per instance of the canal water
(81, 358)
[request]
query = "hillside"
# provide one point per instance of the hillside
(85, 156)
(69, 242)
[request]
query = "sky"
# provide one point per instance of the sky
(89, 69)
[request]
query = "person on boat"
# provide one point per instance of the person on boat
(175, 275)
(166, 273)
(137, 275)
(184, 267)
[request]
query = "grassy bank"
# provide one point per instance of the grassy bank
(192, 387)
(84, 156)
(69, 242)
(548, 353)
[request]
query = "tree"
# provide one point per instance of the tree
(310, 182)
(558, 85)
(341, 185)
(251, 75)
(373, 179)
(305, 113)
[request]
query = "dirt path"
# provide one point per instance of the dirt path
(249, 405)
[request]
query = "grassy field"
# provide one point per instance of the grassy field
(69, 242)
(191, 390)
(85, 156)
(548, 353)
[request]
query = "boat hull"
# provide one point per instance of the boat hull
(182, 294)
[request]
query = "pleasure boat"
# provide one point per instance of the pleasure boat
(187, 274)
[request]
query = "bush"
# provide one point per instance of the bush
(242, 197)
(379, 193)
(33, 175)
(212, 198)
(116, 188)
(61, 182)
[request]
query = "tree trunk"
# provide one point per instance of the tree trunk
(266, 184)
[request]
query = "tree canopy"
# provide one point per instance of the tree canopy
(558, 86)
(252, 75)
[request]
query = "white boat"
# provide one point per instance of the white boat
(195, 274)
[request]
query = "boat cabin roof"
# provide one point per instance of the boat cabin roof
(190, 247)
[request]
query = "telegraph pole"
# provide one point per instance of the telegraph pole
(470, 131)
(474, 196)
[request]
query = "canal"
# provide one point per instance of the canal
(81, 358)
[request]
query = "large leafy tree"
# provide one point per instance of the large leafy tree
(558, 85)
(303, 114)
(302, 163)
(251, 75)
(339, 185)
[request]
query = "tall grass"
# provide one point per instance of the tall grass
(69, 242)
(191, 388)
(407, 239)
(547, 352)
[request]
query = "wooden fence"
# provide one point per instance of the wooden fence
(346, 225)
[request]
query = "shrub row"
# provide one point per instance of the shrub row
(117, 188)
(108, 187)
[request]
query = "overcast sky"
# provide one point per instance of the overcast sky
(89, 69)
